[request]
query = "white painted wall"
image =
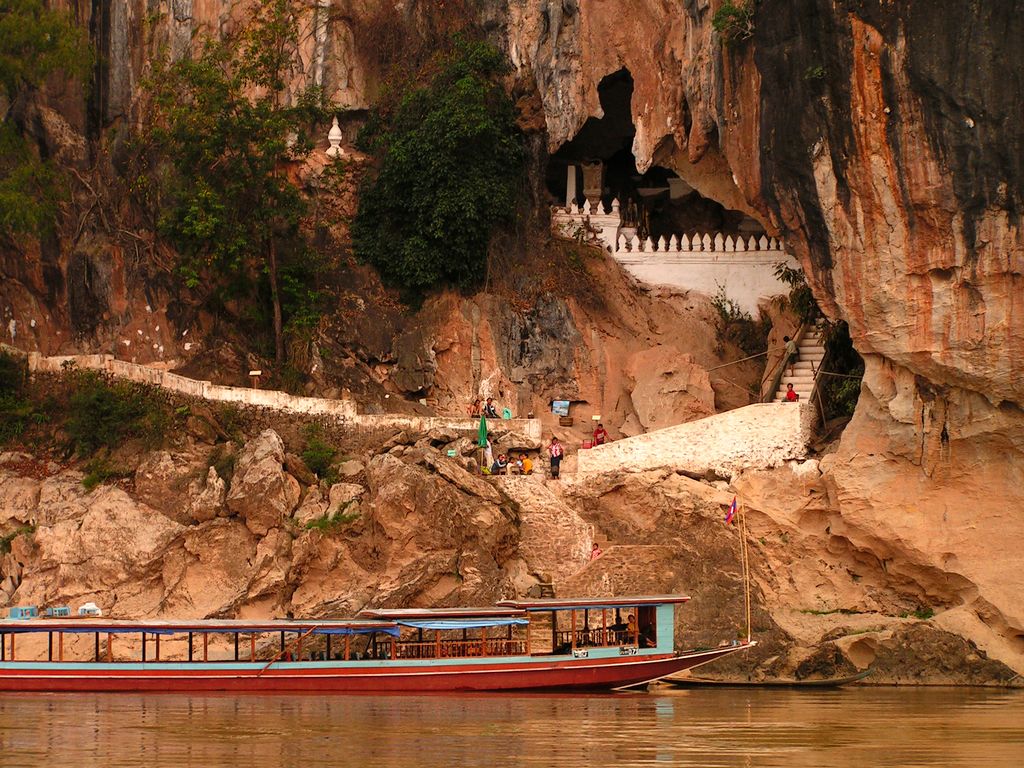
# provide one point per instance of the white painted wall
(745, 267)
(756, 436)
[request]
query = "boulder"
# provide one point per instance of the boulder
(670, 388)
(206, 497)
(19, 498)
(351, 468)
(262, 493)
(298, 469)
(452, 471)
(343, 494)
(313, 507)
(162, 480)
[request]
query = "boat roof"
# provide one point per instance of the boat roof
(100, 624)
(407, 614)
(565, 604)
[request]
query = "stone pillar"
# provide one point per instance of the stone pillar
(570, 186)
(593, 182)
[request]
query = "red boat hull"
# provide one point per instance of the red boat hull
(563, 674)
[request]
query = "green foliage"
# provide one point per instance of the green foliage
(103, 413)
(737, 326)
(450, 159)
(801, 299)
(734, 21)
(229, 136)
(841, 391)
(223, 459)
(98, 470)
(34, 43)
(17, 412)
(318, 453)
(339, 519)
(8, 538)
(816, 72)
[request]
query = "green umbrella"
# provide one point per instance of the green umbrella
(482, 438)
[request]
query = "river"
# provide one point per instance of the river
(736, 727)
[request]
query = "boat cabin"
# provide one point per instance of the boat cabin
(590, 627)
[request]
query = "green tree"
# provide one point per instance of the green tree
(229, 134)
(450, 159)
(35, 42)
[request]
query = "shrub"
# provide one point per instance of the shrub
(318, 454)
(7, 539)
(737, 326)
(450, 160)
(17, 412)
(801, 299)
(338, 520)
(734, 22)
(103, 413)
(99, 470)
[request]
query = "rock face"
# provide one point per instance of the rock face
(262, 493)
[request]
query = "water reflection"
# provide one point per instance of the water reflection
(739, 727)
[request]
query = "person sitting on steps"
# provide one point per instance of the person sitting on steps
(791, 395)
(491, 410)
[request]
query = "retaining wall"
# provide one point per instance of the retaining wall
(527, 431)
(756, 436)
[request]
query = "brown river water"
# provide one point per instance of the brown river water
(730, 727)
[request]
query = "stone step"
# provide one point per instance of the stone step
(811, 349)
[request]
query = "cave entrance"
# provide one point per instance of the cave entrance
(598, 165)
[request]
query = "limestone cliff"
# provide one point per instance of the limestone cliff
(879, 140)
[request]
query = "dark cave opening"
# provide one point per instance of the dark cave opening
(599, 164)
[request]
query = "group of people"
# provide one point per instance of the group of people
(488, 410)
(504, 465)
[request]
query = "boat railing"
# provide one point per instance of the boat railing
(454, 649)
(595, 637)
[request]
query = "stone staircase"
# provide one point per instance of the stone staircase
(801, 374)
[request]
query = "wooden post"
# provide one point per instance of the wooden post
(528, 627)
(110, 647)
(636, 627)
(206, 646)
(437, 643)
(746, 569)
(298, 648)
(236, 646)
(60, 646)
(96, 637)
(328, 643)
(604, 626)
(49, 646)
(554, 630)
(483, 641)
(252, 647)
(348, 646)
(394, 648)
(3, 646)
(12, 646)
(573, 640)
(143, 647)
(190, 646)
(158, 647)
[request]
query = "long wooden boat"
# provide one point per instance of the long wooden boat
(818, 682)
(603, 643)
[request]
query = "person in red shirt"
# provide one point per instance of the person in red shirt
(555, 452)
(600, 435)
(791, 396)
